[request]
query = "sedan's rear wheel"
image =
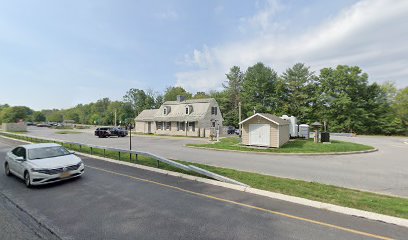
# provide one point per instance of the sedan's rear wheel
(27, 180)
(7, 169)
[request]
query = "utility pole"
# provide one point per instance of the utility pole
(239, 117)
(130, 136)
(115, 119)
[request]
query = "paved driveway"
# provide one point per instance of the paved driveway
(112, 201)
(384, 171)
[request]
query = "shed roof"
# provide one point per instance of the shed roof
(270, 117)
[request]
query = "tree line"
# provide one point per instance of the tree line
(342, 97)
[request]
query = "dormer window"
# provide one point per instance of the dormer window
(188, 109)
(166, 110)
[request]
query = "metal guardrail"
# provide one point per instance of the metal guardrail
(133, 152)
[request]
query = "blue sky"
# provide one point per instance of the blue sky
(56, 54)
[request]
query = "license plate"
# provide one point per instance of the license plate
(65, 174)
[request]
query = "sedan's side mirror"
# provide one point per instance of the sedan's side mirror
(20, 159)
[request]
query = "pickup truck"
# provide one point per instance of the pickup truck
(104, 132)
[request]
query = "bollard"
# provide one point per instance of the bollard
(119, 156)
(104, 154)
(158, 164)
(91, 150)
(136, 158)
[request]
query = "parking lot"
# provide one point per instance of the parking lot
(383, 171)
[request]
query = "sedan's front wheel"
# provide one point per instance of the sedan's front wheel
(27, 180)
(7, 169)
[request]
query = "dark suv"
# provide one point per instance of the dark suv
(230, 130)
(104, 132)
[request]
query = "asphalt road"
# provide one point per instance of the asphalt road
(384, 171)
(112, 201)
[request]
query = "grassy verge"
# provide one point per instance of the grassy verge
(67, 132)
(393, 206)
(295, 146)
(367, 201)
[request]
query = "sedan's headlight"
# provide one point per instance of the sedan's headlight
(45, 171)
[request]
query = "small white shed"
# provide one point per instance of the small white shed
(264, 129)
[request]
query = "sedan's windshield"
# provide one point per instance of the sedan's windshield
(47, 152)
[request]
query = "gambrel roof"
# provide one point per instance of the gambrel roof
(200, 109)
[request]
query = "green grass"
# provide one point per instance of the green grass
(393, 206)
(67, 132)
(295, 146)
(372, 202)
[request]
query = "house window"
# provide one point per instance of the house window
(214, 110)
(168, 125)
(192, 126)
(182, 126)
(166, 110)
(159, 125)
(187, 110)
(213, 124)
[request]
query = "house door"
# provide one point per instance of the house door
(259, 134)
(149, 127)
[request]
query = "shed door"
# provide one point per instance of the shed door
(259, 134)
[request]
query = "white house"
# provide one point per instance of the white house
(194, 117)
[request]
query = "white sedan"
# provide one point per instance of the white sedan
(43, 163)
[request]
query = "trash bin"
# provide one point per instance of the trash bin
(325, 137)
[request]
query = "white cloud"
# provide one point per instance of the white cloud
(370, 34)
(262, 20)
(167, 15)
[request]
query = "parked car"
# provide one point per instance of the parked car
(42, 163)
(237, 131)
(30, 124)
(108, 132)
(43, 125)
(230, 130)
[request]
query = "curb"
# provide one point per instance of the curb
(279, 196)
(288, 154)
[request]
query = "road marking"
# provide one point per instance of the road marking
(247, 205)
